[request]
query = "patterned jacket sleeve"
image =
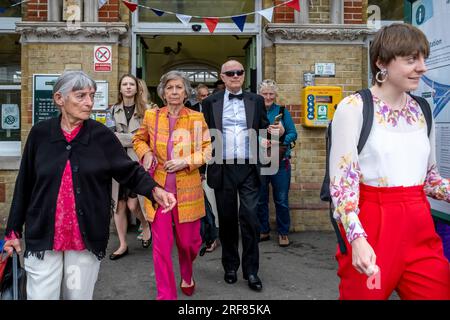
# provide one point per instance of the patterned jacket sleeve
(435, 186)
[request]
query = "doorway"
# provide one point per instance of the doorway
(199, 56)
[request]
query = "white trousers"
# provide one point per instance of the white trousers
(75, 272)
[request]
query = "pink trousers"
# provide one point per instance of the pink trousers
(188, 240)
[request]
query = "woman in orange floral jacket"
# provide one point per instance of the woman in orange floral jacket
(182, 144)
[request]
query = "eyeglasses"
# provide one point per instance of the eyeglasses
(233, 73)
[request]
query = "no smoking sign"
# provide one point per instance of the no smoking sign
(102, 59)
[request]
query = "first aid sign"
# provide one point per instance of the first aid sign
(102, 59)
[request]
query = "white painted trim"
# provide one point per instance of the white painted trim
(8, 25)
(10, 87)
(133, 45)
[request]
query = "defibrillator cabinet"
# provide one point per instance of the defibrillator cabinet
(319, 104)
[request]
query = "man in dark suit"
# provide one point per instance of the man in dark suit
(237, 117)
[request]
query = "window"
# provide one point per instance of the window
(10, 78)
(387, 11)
(202, 8)
(6, 9)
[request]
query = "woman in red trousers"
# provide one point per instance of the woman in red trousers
(380, 194)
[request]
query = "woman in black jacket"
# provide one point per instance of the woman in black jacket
(63, 194)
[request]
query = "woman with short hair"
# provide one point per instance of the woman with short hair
(63, 194)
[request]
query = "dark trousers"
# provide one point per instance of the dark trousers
(239, 179)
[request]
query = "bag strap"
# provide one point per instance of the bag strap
(426, 110)
(15, 276)
(367, 99)
(282, 111)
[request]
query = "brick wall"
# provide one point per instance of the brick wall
(109, 12)
(286, 64)
(283, 14)
(35, 10)
(7, 182)
(353, 12)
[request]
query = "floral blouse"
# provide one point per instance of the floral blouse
(398, 152)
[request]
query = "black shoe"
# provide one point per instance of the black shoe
(230, 277)
(114, 256)
(146, 243)
(254, 282)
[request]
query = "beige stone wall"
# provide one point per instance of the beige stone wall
(7, 180)
(308, 157)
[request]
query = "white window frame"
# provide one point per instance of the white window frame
(10, 162)
(177, 28)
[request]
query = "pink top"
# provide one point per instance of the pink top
(171, 182)
(67, 231)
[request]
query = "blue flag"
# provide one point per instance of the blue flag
(239, 21)
(159, 13)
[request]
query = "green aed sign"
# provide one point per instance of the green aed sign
(43, 105)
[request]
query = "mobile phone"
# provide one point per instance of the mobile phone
(278, 118)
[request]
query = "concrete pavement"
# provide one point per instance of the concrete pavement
(306, 270)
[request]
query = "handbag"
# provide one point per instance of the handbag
(152, 169)
(12, 279)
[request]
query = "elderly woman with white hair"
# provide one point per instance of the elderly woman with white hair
(177, 140)
(63, 194)
(283, 125)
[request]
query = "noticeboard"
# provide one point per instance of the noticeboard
(430, 16)
(43, 105)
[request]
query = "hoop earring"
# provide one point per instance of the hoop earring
(383, 73)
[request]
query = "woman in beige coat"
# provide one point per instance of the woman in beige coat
(128, 113)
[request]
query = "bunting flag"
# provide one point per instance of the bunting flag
(131, 6)
(294, 4)
(159, 13)
(239, 21)
(101, 3)
(211, 23)
(184, 19)
(267, 13)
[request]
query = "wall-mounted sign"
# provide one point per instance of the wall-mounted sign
(102, 59)
(324, 70)
(10, 116)
(43, 106)
(101, 95)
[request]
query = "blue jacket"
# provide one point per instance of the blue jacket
(290, 134)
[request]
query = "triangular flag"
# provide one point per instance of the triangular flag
(211, 23)
(267, 13)
(184, 19)
(239, 21)
(131, 6)
(294, 4)
(101, 3)
(159, 13)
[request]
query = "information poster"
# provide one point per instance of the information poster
(432, 17)
(43, 106)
